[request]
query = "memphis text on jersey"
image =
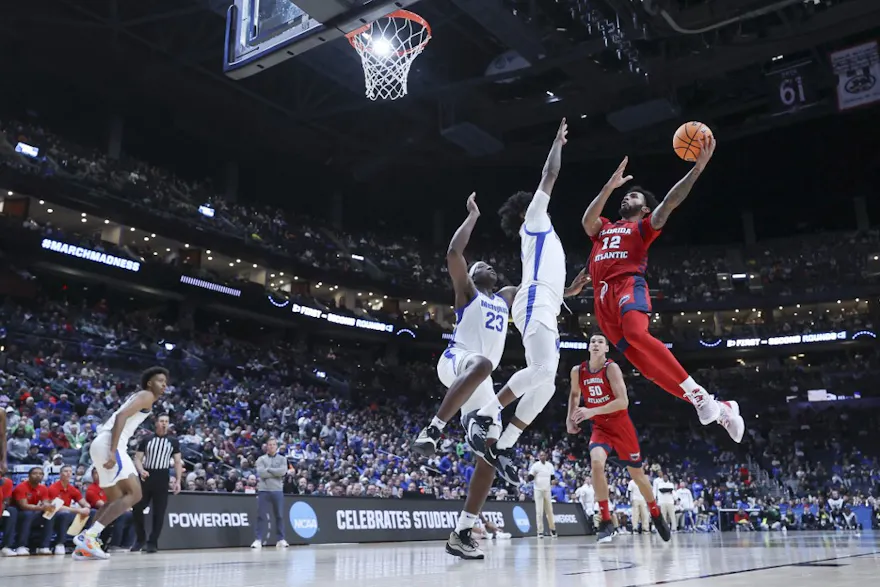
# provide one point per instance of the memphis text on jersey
(497, 308)
(595, 397)
(608, 234)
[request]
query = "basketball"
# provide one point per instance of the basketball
(686, 141)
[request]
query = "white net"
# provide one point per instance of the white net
(388, 48)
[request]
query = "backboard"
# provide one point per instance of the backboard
(263, 33)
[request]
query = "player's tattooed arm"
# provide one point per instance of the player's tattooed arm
(554, 160)
(680, 191)
(464, 287)
(591, 223)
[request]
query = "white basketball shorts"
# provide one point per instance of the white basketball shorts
(453, 363)
(101, 452)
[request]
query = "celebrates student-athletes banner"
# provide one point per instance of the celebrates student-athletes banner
(222, 520)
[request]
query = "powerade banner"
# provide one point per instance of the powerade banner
(229, 520)
(205, 520)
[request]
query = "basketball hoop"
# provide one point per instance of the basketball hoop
(388, 47)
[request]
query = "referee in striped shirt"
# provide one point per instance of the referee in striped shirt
(153, 460)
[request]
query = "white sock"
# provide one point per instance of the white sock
(466, 521)
(491, 409)
(689, 385)
(509, 437)
(438, 423)
(95, 530)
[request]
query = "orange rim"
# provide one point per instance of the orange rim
(405, 14)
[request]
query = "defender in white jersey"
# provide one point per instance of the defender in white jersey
(535, 311)
(115, 471)
(465, 368)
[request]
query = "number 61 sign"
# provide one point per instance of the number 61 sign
(791, 88)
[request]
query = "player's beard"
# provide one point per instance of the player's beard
(629, 211)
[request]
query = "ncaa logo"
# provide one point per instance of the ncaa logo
(521, 519)
(303, 520)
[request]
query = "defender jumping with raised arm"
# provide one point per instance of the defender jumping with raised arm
(535, 311)
(466, 369)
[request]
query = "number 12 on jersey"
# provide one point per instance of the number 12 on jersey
(611, 242)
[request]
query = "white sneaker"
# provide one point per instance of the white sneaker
(502, 535)
(462, 545)
(281, 544)
(8, 552)
(60, 550)
(44, 551)
(22, 551)
(732, 421)
(707, 408)
(257, 544)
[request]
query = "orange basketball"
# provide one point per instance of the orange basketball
(686, 141)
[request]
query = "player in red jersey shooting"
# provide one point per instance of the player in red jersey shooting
(599, 381)
(617, 267)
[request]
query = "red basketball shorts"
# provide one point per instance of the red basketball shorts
(615, 298)
(617, 435)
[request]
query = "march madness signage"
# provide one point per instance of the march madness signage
(858, 75)
(228, 520)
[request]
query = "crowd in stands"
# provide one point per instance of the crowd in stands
(681, 274)
(66, 367)
(345, 418)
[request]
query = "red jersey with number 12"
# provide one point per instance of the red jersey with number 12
(621, 249)
(596, 390)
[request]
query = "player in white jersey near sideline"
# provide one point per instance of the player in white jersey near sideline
(115, 471)
(466, 366)
(586, 496)
(535, 311)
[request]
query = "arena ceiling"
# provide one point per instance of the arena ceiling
(671, 55)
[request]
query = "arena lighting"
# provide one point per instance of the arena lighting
(357, 257)
(862, 333)
(738, 275)
(382, 47)
(90, 255)
(278, 304)
(215, 287)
